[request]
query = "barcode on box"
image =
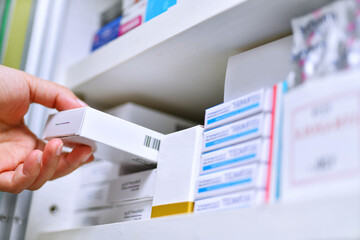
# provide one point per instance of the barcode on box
(151, 142)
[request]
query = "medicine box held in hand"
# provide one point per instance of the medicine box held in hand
(113, 138)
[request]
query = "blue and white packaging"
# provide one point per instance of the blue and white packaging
(237, 155)
(236, 132)
(241, 199)
(231, 180)
(106, 34)
(157, 7)
(250, 104)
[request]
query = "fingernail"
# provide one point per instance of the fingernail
(81, 103)
(59, 150)
(39, 157)
(86, 157)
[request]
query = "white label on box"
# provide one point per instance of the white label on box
(245, 106)
(240, 131)
(99, 171)
(93, 196)
(241, 199)
(133, 186)
(129, 212)
(234, 179)
(321, 153)
(243, 153)
(319, 132)
(136, 210)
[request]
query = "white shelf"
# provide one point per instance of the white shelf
(328, 218)
(177, 61)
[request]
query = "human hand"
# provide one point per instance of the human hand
(25, 161)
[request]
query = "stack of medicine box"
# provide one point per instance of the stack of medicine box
(237, 153)
(125, 198)
(110, 192)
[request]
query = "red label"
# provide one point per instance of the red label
(133, 23)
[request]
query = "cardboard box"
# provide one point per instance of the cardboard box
(128, 3)
(150, 118)
(133, 17)
(93, 196)
(107, 33)
(236, 132)
(98, 171)
(262, 66)
(133, 186)
(113, 138)
(244, 153)
(177, 171)
(234, 179)
(321, 153)
(132, 211)
(244, 106)
(241, 199)
(112, 12)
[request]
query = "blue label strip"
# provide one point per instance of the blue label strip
(225, 139)
(279, 158)
(223, 185)
(230, 114)
(231, 161)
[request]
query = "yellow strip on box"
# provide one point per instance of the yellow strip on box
(172, 209)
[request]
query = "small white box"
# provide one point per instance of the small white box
(99, 171)
(262, 66)
(177, 171)
(241, 199)
(133, 186)
(126, 4)
(128, 212)
(93, 217)
(321, 153)
(93, 196)
(150, 118)
(250, 104)
(134, 211)
(237, 155)
(240, 178)
(133, 17)
(236, 132)
(113, 138)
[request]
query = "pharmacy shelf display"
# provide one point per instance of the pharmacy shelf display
(176, 62)
(326, 218)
